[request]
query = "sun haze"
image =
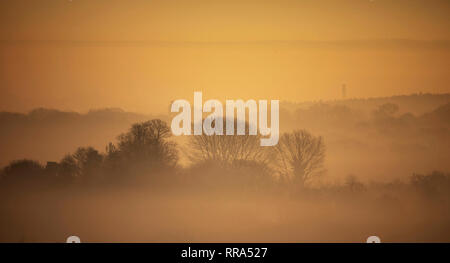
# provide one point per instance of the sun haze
(141, 55)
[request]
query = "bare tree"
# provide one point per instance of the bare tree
(299, 156)
(88, 160)
(85, 164)
(230, 150)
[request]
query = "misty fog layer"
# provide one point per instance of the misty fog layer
(342, 171)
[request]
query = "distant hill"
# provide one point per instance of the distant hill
(416, 104)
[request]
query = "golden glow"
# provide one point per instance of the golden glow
(140, 55)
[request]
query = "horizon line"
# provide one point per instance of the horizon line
(353, 43)
(115, 108)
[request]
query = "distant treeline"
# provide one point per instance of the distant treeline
(147, 150)
(145, 154)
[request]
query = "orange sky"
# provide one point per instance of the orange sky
(140, 55)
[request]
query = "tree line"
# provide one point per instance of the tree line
(147, 150)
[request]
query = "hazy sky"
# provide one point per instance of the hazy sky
(140, 55)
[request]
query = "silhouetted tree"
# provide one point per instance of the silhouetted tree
(88, 161)
(146, 143)
(299, 156)
(68, 168)
(228, 150)
(85, 163)
(23, 170)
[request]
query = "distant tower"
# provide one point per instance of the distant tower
(344, 91)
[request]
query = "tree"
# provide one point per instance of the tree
(85, 163)
(146, 143)
(88, 161)
(23, 170)
(227, 150)
(68, 167)
(299, 156)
